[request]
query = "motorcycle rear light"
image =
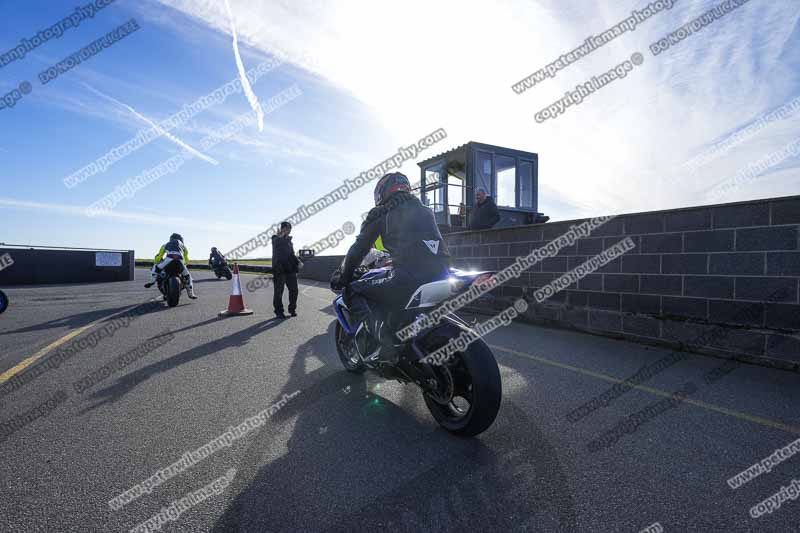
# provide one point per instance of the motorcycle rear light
(484, 278)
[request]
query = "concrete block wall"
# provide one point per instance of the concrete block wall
(721, 279)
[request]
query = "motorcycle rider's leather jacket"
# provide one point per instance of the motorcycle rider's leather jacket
(173, 247)
(408, 232)
(215, 258)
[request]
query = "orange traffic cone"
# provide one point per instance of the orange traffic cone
(236, 301)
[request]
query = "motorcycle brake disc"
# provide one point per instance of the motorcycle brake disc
(443, 388)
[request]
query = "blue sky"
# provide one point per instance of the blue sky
(374, 76)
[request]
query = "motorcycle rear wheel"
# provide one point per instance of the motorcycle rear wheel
(173, 291)
(472, 404)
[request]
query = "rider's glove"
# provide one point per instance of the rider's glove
(336, 281)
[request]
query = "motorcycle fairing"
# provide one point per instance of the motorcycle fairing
(435, 292)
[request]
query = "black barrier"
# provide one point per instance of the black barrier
(45, 266)
(204, 266)
(320, 267)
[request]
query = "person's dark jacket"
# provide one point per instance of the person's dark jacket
(409, 233)
(485, 215)
(283, 259)
(215, 258)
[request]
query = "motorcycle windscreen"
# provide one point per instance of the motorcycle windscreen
(375, 273)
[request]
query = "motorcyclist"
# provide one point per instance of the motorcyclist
(409, 233)
(215, 258)
(174, 250)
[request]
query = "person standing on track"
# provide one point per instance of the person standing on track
(285, 266)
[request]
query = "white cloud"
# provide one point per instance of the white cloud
(420, 65)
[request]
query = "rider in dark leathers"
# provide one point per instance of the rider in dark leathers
(215, 257)
(419, 255)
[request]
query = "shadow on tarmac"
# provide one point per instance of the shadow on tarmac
(128, 382)
(358, 462)
(187, 328)
(70, 322)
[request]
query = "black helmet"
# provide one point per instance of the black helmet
(213, 248)
(390, 184)
(176, 237)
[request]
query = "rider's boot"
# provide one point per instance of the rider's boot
(387, 352)
(152, 280)
(390, 345)
(190, 289)
(361, 316)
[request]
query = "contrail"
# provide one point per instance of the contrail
(248, 90)
(158, 128)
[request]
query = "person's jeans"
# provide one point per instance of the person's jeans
(288, 279)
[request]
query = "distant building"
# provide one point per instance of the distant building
(449, 180)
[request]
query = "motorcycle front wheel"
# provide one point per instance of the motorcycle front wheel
(345, 347)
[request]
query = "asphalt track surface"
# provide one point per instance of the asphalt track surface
(354, 453)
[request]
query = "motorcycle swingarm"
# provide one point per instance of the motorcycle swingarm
(410, 367)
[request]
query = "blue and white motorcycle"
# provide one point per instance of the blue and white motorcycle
(462, 393)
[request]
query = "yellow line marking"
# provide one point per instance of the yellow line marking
(11, 372)
(8, 374)
(657, 392)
